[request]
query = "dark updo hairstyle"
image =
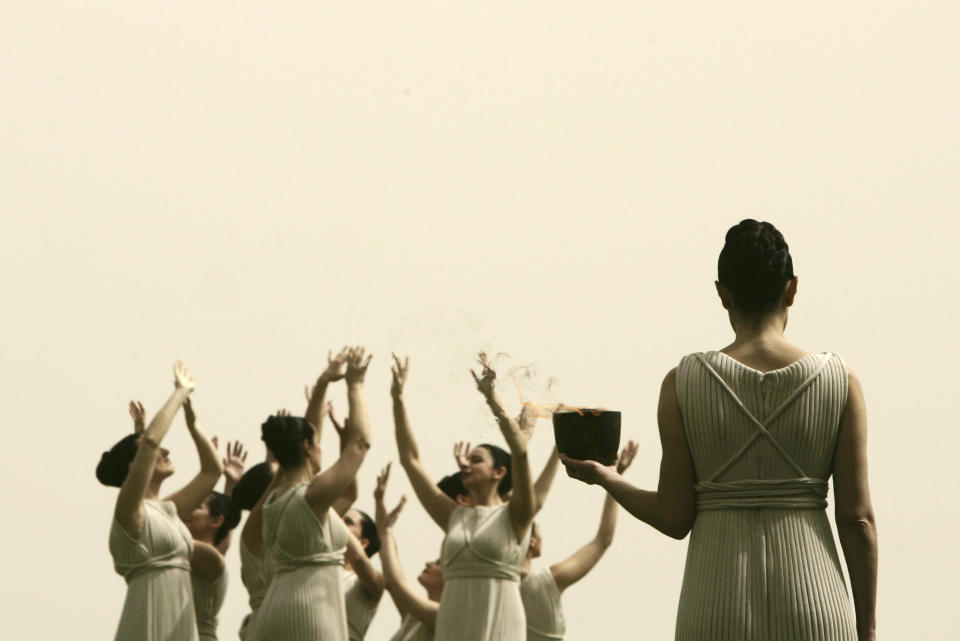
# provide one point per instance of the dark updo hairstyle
(368, 531)
(755, 265)
(220, 504)
(284, 435)
(501, 458)
(114, 464)
(452, 485)
(251, 486)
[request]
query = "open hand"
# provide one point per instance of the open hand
(357, 365)
(590, 472)
(384, 519)
(487, 380)
(341, 428)
(182, 378)
(336, 366)
(528, 419)
(138, 414)
(399, 371)
(461, 450)
(234, 462)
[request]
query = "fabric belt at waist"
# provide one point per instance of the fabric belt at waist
(320, 559)
(799, 493)
(177, 563)
(484, 570)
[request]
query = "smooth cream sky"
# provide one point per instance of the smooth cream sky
(246, 185)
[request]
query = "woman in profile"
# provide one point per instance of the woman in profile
(485, 544)
(150, 545)
(750, 436)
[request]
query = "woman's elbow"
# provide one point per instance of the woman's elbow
(679, 528)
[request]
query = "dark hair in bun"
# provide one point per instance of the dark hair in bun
(114, 464)
(501, 458)
(251, 486)
(284, 436)
(368, 531)
(755, 265)
(220, 504)
(452, 485)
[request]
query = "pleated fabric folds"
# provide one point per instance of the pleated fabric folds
(761, 563)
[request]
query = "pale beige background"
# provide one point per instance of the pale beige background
(245, 187)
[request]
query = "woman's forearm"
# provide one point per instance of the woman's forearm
(358, 427)
(406, 443)
(210, 462)
(644, 505)
(858, 538)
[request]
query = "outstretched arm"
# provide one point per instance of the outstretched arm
(328, 486)
(367, 573)
(574, 568)
(437, 504)
(856, 526)
(198, 489)
(129, 507)
(523, 503)
(407, 599)
(542, 487)
(672, 507)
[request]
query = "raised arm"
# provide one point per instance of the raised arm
(207, 561)
(330, 485)
(574, 568)
(198, 489)
(437, 504)
(407, 599)
(523, 502)
(129, 507)
(671, 509)
(367, 573)
(316, 407)
(856, 527)
(349, 497)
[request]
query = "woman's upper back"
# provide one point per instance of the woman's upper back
(295, 535)
(164, 542)
(727, 406)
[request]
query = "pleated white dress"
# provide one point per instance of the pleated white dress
(156, 566)
(360, 606)
(481, 570)
(255, 576)
(207, 601)
(762, 564)
(412, 630)
(542, 606)
(304, 601)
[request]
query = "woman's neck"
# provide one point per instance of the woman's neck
(289, 477)
(488, 498)
(153, 490)
(765, 330)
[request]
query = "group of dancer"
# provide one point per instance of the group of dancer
(750, 436)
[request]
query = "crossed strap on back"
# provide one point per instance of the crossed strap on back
(802, 492)
(485, 567)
